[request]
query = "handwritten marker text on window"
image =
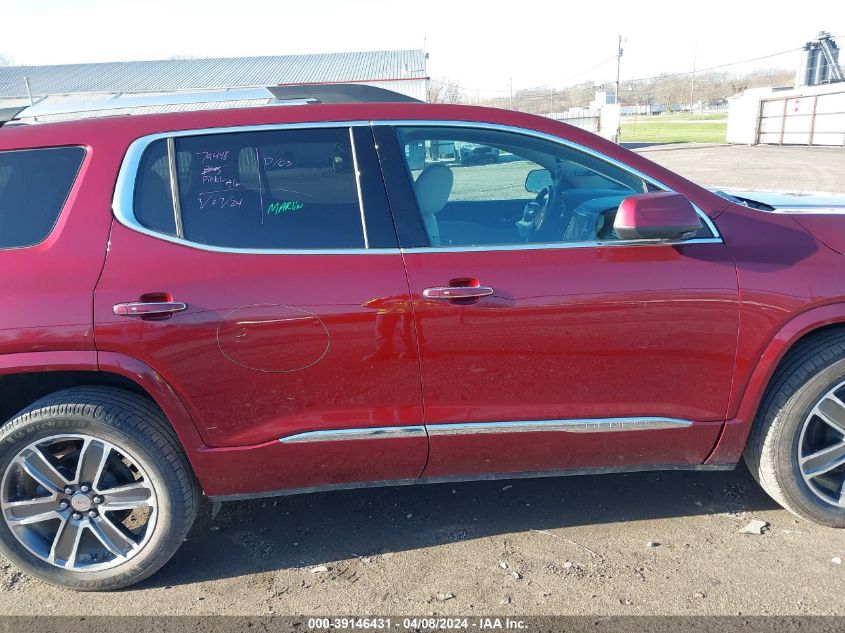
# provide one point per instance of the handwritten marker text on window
(275, 208)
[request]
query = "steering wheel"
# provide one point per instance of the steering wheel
(534, 213)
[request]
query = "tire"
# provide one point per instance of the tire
(787, 420)
(140, 465)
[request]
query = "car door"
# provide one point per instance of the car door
(553, 344)
(271, 297)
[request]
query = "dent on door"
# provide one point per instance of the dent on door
(273, 338)
(336, 378)
(295, 351)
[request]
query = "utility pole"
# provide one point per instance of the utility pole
(618, 67)
(616, 97)
(510, 87)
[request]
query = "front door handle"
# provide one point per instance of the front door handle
(449, 293)
(149, 308)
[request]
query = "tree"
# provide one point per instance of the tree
(5, 60)
(443, 91)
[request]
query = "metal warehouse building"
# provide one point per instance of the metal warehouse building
(403, 71)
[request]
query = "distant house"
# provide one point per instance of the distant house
(402, 71)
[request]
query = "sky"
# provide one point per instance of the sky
(482, 46)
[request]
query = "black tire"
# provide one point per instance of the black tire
(806, 375)
(135, 425)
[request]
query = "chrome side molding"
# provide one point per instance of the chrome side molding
(588, 425)
(343, 435)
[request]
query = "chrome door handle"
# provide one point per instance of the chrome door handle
(149, 308)
(447, 293)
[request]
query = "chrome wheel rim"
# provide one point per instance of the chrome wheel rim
(821, 448)
(78, 502)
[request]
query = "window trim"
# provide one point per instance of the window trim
(716, 239)
(124, 193)
(173, 174)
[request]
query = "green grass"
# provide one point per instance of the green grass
(675, 128)
(707, 128)
(686, 116)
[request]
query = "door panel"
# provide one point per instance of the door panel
(576, 349)
(576, 333)
(275, 345)
(290, 333)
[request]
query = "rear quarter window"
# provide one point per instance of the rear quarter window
(34, 185)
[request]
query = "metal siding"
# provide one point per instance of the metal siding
(180, 74)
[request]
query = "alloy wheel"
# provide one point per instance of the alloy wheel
(821, 448)
(78, 502)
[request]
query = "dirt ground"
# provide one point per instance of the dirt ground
(645, 543)
(760, 167)
(642, 543)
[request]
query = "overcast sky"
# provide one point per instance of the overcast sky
(478, 44)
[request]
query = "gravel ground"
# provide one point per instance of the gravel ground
(643, 543)
(760, 167)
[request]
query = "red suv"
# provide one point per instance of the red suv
(307, 296)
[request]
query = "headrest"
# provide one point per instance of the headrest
(433, 187)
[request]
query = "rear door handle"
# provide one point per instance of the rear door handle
(448, 293)
(149, 308)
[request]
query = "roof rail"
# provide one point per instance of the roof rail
(8, 114)
(123, 103)
(340, 93)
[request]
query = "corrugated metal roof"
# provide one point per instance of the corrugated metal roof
(177, 74)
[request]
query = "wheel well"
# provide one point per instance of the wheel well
(17, 391)
(812, 338)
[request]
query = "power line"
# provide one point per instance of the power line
(571, 77)
(546, 85)
(639, 79)
(704, 70)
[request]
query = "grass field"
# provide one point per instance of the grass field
(683, 128)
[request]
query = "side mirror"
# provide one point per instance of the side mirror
(662, 215)
(537, 180)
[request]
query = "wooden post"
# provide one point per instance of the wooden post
(813, 120)
(760, 109)
(783, 121)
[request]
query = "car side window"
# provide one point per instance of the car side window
(278, 189)
(477, 187)
(34, 185)
(153, 198)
